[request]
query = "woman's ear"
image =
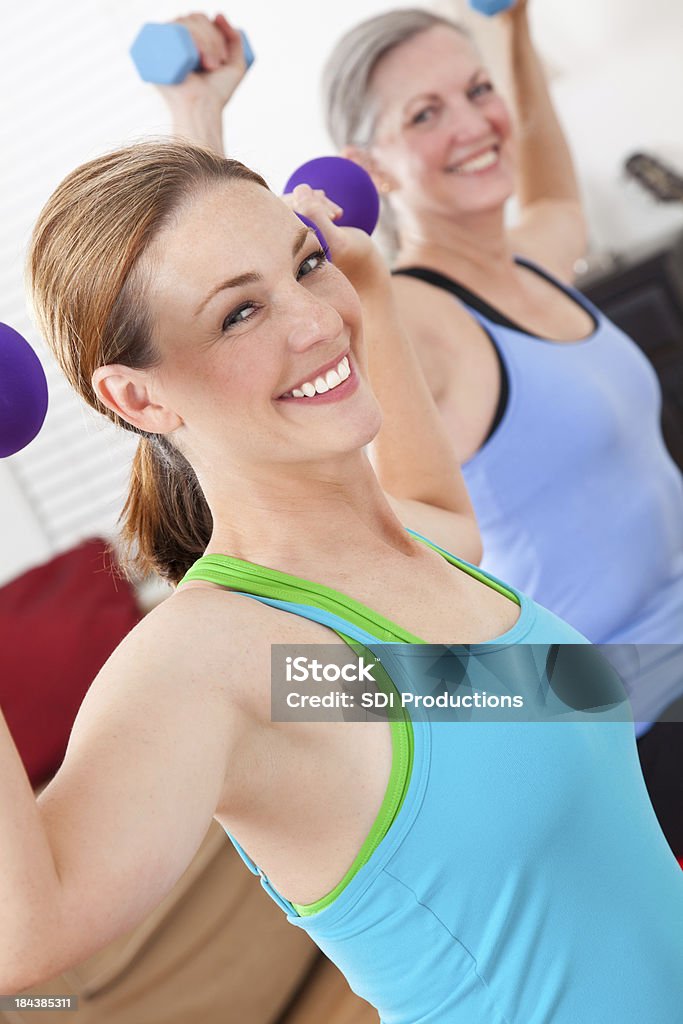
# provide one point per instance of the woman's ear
(129, 394)
(384, 183)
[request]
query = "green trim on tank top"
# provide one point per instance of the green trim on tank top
(278, 585)
(283, 587)
(402, 748)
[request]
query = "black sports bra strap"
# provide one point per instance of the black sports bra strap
(474, 301)
(440, 280)
(447, 283)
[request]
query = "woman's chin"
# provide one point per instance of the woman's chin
(359, 430)
(363, 429)
(473, 197)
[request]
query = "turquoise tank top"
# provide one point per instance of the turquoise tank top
(523, 878)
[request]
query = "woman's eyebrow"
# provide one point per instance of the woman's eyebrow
(433, 95)
(232, 282)
(419, 98)
(251, 276)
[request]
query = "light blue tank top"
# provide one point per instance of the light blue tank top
(578, 501)
(524, 880)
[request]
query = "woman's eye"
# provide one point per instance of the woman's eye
(423, 115)
(481, 89)
(313, 262)
(238, 315)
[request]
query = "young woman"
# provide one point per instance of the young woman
(552, 411)
(502, 871)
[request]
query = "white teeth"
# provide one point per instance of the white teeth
(331, 380)
(477, 163)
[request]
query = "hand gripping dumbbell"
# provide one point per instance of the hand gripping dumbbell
(347, 184)
(166, 53)
(23, 392)
(491, 7)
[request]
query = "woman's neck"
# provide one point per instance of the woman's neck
(471, 247)
(298, 519)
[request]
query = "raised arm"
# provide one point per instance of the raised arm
(119, 823)
(412, 454)
(551, 227)
(197, 104)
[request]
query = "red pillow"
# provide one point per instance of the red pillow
(58, 625)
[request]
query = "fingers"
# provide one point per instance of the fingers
(318, 213)
(312, 202)
(230, 35)
(350, 248)
(210, 40)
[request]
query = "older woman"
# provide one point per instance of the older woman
(553, 411)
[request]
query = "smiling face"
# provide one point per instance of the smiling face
(260, 337)
(442, 133)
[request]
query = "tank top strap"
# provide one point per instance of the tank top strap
(350, 619)
(347, 631)
(300, 596)
(486, 314)
(283, 903)
(568, 289)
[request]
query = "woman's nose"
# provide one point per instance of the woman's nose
(466, 123)
(312, 320)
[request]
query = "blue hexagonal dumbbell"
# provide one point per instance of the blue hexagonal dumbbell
(166, 53)
(491, 6)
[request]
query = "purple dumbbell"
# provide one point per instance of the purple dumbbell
(346, 184)
(23, 392)
(491, 7)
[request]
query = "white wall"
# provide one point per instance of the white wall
(68, 91)
(618, 86)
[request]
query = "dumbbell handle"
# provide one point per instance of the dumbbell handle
(346, 184)
(491, 7)
(166, 53)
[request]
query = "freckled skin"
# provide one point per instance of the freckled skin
(223, 383)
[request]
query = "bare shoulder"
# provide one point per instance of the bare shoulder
(553, 233)
(457, 358)
(218, 638)
(429, 310)
(441, 329)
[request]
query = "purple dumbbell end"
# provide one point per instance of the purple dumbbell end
(23, 392)
(345, 183)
